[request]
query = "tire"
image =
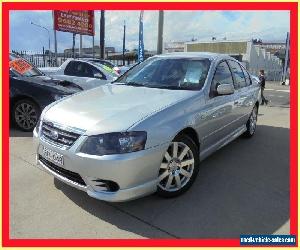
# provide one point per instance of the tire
(25, 114)
(174, 177)
(251, 123)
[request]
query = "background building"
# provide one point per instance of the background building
(89, 51)
(253, 56)
(170, 47)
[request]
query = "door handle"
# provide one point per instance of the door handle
(236, 102)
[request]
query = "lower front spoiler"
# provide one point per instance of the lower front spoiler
(119, 196)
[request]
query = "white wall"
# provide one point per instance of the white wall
(258, 59)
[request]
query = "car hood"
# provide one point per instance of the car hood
(112, 108)
(61, 85)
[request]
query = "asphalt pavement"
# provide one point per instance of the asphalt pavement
(241, 189)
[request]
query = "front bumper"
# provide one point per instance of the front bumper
(135, 173)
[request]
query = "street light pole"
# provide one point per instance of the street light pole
(46, 30)
(124, 32)
(160, 32)
(102, 34)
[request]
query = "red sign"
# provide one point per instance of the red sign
(79, 22)
(20, 65)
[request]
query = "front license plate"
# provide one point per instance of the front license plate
(53, 156)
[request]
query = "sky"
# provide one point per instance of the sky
(178, 26)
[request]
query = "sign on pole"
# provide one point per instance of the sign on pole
(77, 22)
(141, 53)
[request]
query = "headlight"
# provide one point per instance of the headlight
(114, 143)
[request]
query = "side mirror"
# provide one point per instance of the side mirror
(225, 89)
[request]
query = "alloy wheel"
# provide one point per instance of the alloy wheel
(253, 121)
(26, 115)
(176, 168)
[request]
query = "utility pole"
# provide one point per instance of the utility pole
(124, 43)
(80, 45)
(102, 34)
(73, 45)
(55, 42)
(55, 48)
(94, 46)
(93, 50)
(160, 32)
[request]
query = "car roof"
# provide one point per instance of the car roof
(86, 59)
(208, 55)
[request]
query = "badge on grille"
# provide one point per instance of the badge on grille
(53, 134)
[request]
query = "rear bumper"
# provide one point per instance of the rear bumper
(135, 173)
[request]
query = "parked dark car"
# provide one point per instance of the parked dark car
(31, 91)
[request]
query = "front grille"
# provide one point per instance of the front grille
(58, 135)
(72, 176)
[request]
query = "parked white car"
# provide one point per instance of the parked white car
(86, 73)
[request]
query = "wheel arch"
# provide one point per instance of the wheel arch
(192, 133)
(22, 97)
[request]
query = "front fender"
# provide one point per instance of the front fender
(163, 126)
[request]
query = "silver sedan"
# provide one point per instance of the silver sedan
(148, 131)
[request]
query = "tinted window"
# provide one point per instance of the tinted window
(222, 76)
(238, 75)
(247, 77)
(81, 69)
(70, 68)
(96, 73)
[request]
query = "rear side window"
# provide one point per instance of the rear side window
(96, 73)
(238, 75)
(222, 76)
(247, 77)
(81, 69)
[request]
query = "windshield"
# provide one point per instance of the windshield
(171, 73)
(20, 66)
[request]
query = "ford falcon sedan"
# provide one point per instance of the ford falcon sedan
(148, 131)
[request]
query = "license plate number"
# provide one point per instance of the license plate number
(53, 156)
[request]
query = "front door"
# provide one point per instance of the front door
(220, 114)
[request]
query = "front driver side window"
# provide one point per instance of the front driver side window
(222, 76)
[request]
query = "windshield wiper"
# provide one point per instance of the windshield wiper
(172, 87)
(136, 84)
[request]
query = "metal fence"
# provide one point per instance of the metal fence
(42, 59)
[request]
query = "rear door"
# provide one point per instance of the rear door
(219, 113)
(243, 102)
